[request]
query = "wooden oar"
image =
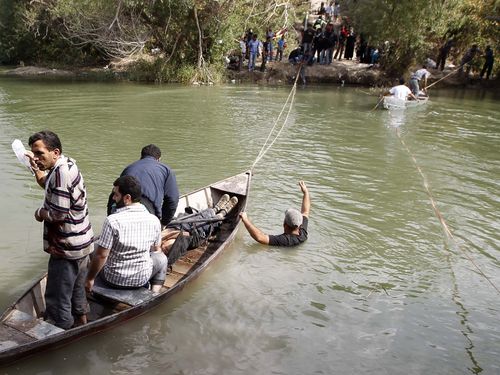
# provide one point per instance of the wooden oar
(378, 103)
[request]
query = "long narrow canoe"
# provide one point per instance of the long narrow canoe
(391, 102)
(23, 331)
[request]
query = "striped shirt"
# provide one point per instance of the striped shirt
(68, 227)
(129, 235)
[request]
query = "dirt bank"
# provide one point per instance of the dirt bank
(341, 72)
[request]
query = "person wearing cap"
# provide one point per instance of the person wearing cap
(294, 225)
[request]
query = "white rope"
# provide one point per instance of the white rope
(439, 215)
(289, 102)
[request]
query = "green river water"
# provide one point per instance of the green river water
(377, 289)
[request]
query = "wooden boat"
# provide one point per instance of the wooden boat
(23, 331)
(391, 102)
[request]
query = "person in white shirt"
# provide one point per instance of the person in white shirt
(402, 91)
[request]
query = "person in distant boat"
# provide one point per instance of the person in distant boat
(420, 75)
(401, 91)
(129, 248)
(67, 233)
(160, 194)
(294, 224)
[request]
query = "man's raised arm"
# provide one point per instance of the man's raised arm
(306, 200)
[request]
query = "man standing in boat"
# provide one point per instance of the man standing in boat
(129, 248)
(160, 194)
(67, 233)
(420, 75)
(294, 224)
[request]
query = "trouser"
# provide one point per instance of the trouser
(65, 292)
(487, 67)
(160, 266)
(279, 54)
(414, 86)
(251, 61)
(158, 274)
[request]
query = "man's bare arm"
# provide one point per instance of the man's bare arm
(306, 200)
(255, 232)
(98, 261)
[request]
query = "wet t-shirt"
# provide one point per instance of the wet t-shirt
(291, 239)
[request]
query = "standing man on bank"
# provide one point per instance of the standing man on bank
(160, 194)
(294, 224)
(67, 233)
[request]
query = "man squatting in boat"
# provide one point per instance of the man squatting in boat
(129, 249)
(67, 233)
(294, 224)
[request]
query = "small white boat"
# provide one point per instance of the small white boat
(391, 102)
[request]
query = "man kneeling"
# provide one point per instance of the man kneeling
(129, 248)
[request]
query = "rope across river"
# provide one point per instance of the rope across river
(439, 215)
(289, 102)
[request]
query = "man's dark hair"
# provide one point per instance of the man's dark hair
(50, 139)
(129, 185)
(401, 81)
(151, 150)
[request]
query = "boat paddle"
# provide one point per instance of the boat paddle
(446, 76)
(378, 103)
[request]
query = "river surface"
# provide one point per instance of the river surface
(379, 287)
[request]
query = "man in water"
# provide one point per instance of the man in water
(67, 233)
(160, 194)
(294, 224)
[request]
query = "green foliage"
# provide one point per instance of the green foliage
(415, 29)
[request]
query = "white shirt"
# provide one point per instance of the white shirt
(129, 234)
(400, 92)
(421, 73)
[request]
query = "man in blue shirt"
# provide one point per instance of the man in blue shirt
(160, 194)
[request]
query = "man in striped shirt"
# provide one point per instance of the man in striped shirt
(67, 233)
(129, 248)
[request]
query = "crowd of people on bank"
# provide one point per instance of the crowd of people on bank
(331, 37)
(132, 250)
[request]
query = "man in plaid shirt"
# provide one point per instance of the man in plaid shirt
(129, 251)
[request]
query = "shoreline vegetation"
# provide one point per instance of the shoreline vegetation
(195, 41)
(339, 73)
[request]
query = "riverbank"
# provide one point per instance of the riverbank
(343, 72)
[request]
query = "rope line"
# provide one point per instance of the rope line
(446, 229)
(289, 101)
(446, 76)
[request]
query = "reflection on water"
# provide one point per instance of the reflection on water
(376, 288)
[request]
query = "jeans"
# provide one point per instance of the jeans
(251, 61)
(65, 292)
(160, 265)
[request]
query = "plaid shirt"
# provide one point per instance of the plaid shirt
(129, 234)
(69, 228)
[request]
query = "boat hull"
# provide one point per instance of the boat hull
(391, 102)
(23, 331)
